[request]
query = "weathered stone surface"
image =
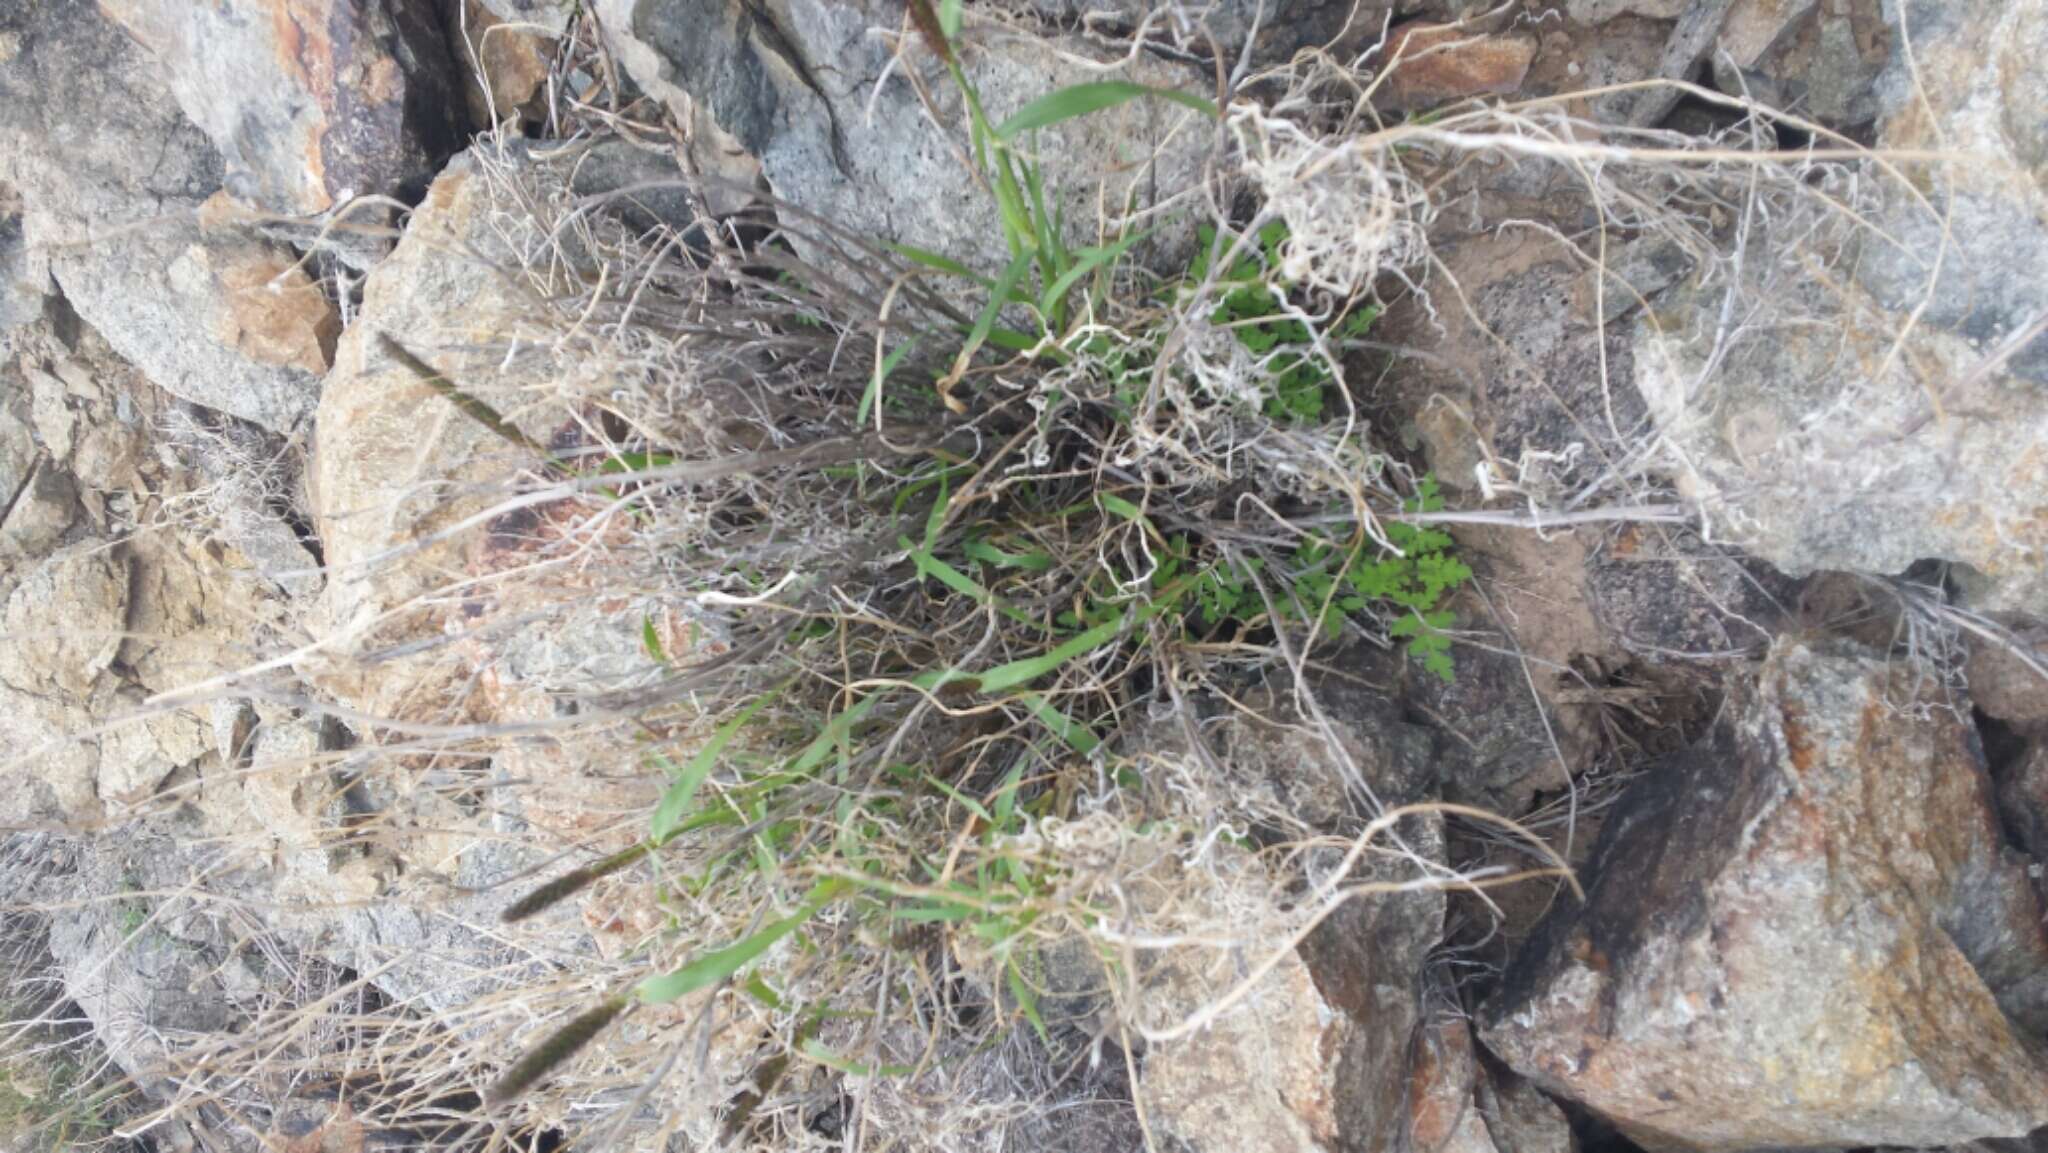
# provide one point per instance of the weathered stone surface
(17, 449)
(1281, 31)
(1812, 465)
(1972, 89)
(2007, 687)
(1804, 932)
(1460, 1103)
(65, 622)
(1866, 422)
(42, 510)
(1820, 60)
(1431, 64)
(503, 59)
(23, 278)
(389, 449)
(111, 177)
(1601, 11)
(794, 82)
(1519, 1118)
(552, 16)
(1317, 1058)
(1443, 1097)
(1262, 1079)
(307, 101)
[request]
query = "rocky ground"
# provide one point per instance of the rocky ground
(310, 664)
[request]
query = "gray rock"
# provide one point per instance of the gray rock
(340, 97)
(65, 622)
(1819, 61)
(1519, 1118)
(793, 82)
(1800, 450)
(644, 188)
(42, 510)
(112, 178)
(376, 417)
(1894, 415)
(2004, 685)
(1804, 932)
(1984, 100)
(17, 453)
(552, 15)
(22, 280)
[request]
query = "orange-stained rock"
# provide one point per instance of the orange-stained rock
(1430, 64)
(1807, 931)
(307, 100)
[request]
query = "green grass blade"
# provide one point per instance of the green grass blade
(1085, 262)
(1013, 273)
(1082, 99)
(1026, 999)
(938, 263)
(934, 912)
(1010, 676)
(815, 1050)
(821, 746)
(1121, 507)
(675, 802)
(1010, 340)
(1033, 561)
(716, 966)
(1077, 736)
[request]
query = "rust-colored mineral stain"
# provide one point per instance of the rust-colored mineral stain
(1799, 746)
(1439, 63)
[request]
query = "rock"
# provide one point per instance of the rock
(1803, 932)
(1443, 1097)
(1498, 753)
(152, 968)
(504, 61)
(1281, 32)
(1810, 463)
(1818, 60)
(197, 316)
(274, 312)
(1601, 11)
(112, 177)
(1519, 1118)
(1431, 64)
(1981, 100)
(59, 631)
(1837, 434)
(1460, 1103)
(66, 622)
(2004, 686)
(1260, 1080)
(1318, 1058)
(43, 509)
(388, 448)
(23, 278)
(2023, 803)
(307, 102)
(551, 16)
(628, 178)
(793, 82)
